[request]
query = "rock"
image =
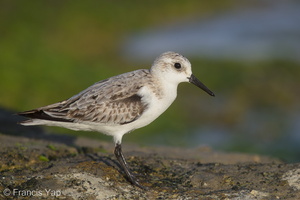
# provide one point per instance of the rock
(92, 172)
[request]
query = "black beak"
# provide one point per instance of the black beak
(199, 84)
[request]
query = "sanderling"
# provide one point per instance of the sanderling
(121, 104)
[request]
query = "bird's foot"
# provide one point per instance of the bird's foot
(134, 181)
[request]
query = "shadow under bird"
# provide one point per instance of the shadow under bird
(121, 104)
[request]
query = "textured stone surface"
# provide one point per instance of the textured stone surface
(36, 169)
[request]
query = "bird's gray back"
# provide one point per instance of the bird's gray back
(110, 101)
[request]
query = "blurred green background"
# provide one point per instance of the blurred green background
(51, 50)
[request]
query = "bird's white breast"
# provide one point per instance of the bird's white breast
(157, 103)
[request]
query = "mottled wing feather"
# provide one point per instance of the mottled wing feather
(120, 111)
(111, 101)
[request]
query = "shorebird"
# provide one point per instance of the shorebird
(122, 103)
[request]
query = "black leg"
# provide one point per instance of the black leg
(124, 165)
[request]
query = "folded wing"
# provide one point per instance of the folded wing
(111, 101)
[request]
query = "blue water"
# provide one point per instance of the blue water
(266, 31)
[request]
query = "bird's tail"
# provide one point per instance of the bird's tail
(38, 117)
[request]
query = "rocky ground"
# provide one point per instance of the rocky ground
(35, 164)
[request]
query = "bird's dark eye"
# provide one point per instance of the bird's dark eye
(177, 65)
